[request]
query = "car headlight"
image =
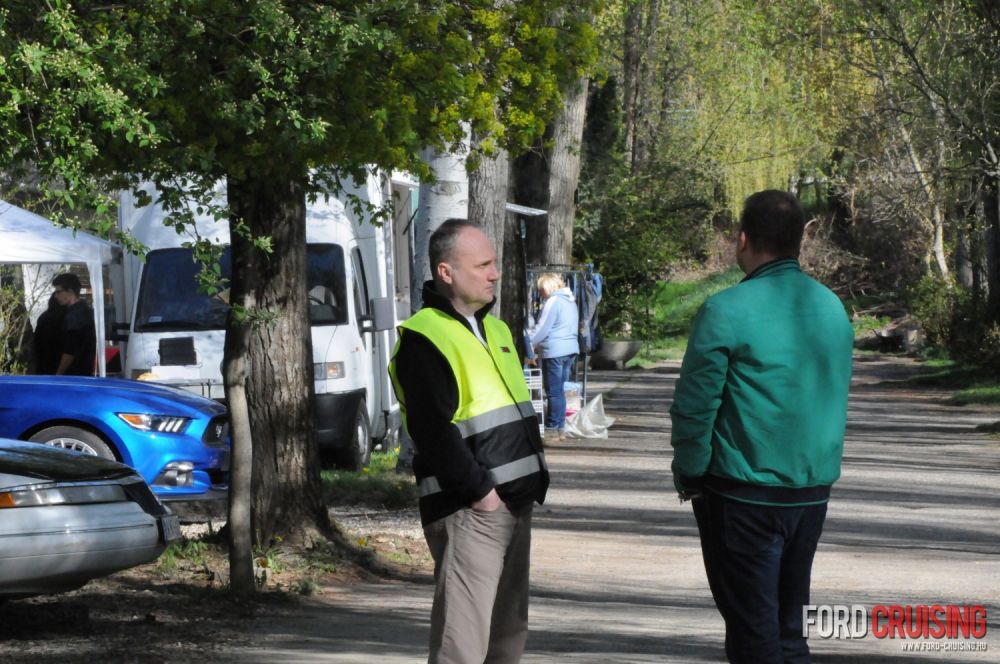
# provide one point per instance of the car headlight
(35, 496)
(147, 422)
(328, 370)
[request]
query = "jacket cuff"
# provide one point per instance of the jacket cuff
(686, 484)
(485, 486)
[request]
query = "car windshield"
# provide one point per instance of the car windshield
(169, 299)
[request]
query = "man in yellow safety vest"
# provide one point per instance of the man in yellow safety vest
(479, 463)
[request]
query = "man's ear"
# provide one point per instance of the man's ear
(444, 273)
(742, 242)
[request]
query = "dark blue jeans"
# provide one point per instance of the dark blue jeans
(758, 560)
(555, 372)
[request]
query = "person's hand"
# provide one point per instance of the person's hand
(693, 494)
(488, 503)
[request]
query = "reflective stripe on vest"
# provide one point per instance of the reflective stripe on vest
(495, 418)
(508, 472)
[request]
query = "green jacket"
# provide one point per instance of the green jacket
(760, 408)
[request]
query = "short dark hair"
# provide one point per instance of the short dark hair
(773, 221)
(442, 241)
(68, 281)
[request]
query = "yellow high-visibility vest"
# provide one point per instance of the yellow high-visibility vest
(492, 391)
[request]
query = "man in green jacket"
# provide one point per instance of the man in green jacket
(758, 418)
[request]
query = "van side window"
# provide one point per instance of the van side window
(361, 302)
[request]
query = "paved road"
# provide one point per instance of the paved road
(617, 573)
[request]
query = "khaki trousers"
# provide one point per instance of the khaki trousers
(480, 611)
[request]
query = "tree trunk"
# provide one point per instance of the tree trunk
(964, 271)
(631, 62)
(991, 210)
(287, 498)
(487, 203)
(515, 289)
(564, 174)
(530, 187)
(937, 249)
(648, 66)
(240, 525)
(642, 19)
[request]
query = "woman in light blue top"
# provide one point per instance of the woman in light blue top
(555, 339)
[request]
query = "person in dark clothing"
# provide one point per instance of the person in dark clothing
(48, 338)
(79, 337)
(479, 462)
(758, 423)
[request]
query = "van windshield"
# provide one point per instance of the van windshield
(169, 299)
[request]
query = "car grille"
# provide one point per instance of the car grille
(217, 432)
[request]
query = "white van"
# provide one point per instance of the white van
(176, 335)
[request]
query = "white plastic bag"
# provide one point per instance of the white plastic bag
(590, 421)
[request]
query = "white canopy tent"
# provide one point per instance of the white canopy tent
(29, 239)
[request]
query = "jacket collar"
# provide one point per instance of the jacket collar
(777, 265)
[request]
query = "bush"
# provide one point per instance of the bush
(935, 306)
(635, 229)
(15, 332)
(955, 320)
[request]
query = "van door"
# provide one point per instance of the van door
(362, 306)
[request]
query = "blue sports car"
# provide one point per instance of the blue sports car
(177, 441)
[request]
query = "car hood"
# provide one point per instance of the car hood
(66, 385)
(19, 460)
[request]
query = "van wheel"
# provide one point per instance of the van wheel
(76, 439)
(359, 452)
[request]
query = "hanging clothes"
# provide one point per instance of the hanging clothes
(591, 292)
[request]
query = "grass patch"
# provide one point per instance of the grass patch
(673, 310)
(948, 374)
(194, 552)
(677, 303)
(980, 394)
(876, 310)
(378, 485)
(865, 326)
(972, 385)
(653, 352)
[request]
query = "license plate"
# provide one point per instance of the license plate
(170, 528)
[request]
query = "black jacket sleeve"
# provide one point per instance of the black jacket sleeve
(431, 397)
(74, 331)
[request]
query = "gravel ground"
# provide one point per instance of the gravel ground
(181, 612)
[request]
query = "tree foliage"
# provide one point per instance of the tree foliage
(883, 116)
(703, 103)
(915, 171)
(283, 100)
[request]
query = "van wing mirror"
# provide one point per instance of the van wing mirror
(383, 313)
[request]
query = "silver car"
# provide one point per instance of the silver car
(66, 518)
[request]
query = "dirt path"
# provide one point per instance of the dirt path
(617, 573)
